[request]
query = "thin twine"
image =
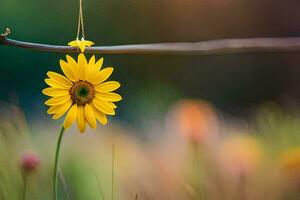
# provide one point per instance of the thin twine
(80, 24)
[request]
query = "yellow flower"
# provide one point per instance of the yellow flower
(81, 44)
(82, 92)
(240, 155)
(290, 161)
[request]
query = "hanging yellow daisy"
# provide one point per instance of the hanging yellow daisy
(82, 92)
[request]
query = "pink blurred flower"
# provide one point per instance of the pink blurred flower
(30, 161)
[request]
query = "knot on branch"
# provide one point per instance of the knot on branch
(5, 34)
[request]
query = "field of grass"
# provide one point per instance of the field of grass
(195, 153)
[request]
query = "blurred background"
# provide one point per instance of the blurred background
(231, 82)
(253, 93)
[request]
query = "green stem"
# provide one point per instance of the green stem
(62, 130)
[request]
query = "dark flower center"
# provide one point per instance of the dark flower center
(82, 92)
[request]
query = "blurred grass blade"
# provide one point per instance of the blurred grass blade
(64, 184)
(100, 186)
(113, 172)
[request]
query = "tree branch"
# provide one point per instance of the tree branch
(212, 47)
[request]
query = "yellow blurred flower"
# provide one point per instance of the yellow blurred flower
(82, 92)
(81, 44)
(240, 155)
(290, 161)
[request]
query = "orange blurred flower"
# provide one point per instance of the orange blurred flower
(195, 119)
(290, 163)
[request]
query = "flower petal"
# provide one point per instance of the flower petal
(80, 119)
(92, 60)
(88, 43)
(56, 84)
(59, 78)
(81, 47)
(99, 115)
(112, 105)
(54, 92)
(82, 66)
(67, 70)
(90, 69)
(57, 100)
(101, 76)
(71, 116)
(71, 60)
(85, 43)
(107, 86)
(108, 96)
(103, 106)
(73, 66)
(89, 115)
(59, 110)
(99, 64)
(73, 43)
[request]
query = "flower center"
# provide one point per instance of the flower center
(82, 92)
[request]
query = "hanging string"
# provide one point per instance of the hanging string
(81, 17)
(80, 25)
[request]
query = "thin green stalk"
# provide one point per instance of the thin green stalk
(100, 187)
(62, 130)
(25, 186)
(113, 172)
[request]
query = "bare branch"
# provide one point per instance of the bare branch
(212, 47)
